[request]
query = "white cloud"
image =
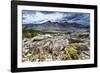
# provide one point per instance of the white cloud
(40, 17)
(37, 17)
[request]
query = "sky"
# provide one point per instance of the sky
(38, 17)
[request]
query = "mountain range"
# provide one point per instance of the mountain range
(62, 26)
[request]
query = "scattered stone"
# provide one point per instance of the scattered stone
(55, 48)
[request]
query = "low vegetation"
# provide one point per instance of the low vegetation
(33, 33)
(61, 46)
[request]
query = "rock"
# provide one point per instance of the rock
(41, 37)
(84, 48)
(84, 56)
(87, 53)
(55, 47)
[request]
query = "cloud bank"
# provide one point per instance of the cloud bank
(38, 17)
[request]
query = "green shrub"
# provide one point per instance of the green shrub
(72, 52)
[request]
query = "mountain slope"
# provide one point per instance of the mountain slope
(56, 26)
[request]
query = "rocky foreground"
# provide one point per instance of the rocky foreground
(56, 47)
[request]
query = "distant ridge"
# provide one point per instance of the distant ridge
(56, 26)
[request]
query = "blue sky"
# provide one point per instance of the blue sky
(38, 17)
